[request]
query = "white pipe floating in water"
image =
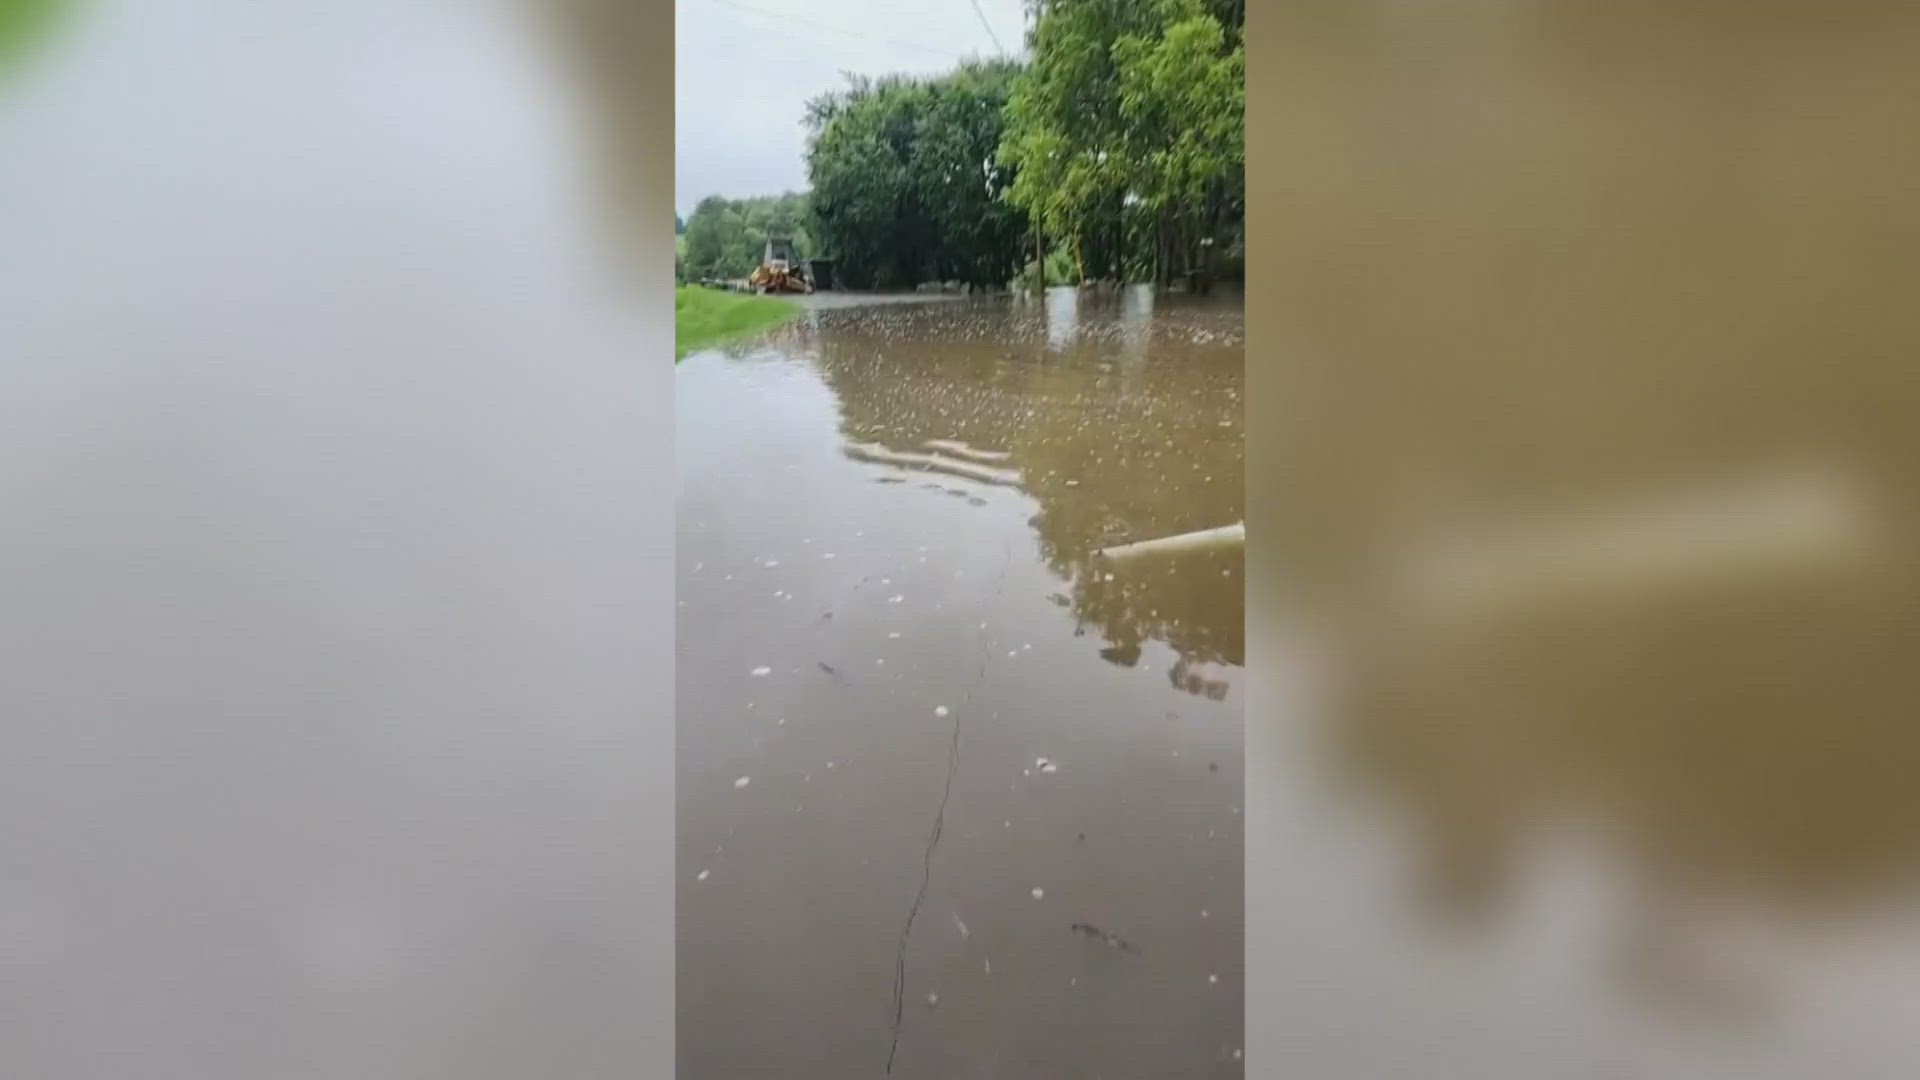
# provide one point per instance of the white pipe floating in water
(1224, 536)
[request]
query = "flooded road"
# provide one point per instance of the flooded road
(954, 794)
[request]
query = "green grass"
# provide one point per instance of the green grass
(705, 317)
(22, 21)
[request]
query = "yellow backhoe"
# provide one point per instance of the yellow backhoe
(779, 271)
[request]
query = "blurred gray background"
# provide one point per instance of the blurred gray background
(335, 667)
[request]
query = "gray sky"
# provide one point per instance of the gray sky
(744, 70)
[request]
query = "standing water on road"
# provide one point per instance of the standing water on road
(994, 818)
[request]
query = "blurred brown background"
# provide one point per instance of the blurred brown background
(1582, 389)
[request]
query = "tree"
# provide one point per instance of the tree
(956, 176)
(1183, 99)
(726, 238)
(906, 183)
(1127, 130)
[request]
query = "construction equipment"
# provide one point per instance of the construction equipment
(779, 270)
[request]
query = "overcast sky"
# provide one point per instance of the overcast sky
(744, 70)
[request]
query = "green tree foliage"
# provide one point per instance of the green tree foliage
(1127, 132)
(907, 184)
(726, 238)
(22, 23)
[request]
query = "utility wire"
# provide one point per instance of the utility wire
(989, 28)
(763, 12)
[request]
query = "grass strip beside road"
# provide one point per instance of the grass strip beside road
(707, 317)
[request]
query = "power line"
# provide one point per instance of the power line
(947, 54)
(989, 27)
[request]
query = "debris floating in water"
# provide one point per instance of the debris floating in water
(1038, 892)
(743, 782)
(771, 563)
(933, 998)
(1203, 913)
(939, 710)
(962, 927)
(1106, 937)
(895, 599)
(894, 634)
(701, 876)
(987, 965)
(762, 670)
(1213, 978)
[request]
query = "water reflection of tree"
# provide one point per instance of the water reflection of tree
(1122, 430)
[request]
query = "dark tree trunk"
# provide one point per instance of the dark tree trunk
(1160, 269)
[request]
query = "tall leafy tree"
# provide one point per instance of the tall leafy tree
(957, 178)
(906, 185)
(1127, 129)
(1064, 131)
(1183, 105)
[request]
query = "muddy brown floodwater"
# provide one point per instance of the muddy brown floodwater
(954, 793)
